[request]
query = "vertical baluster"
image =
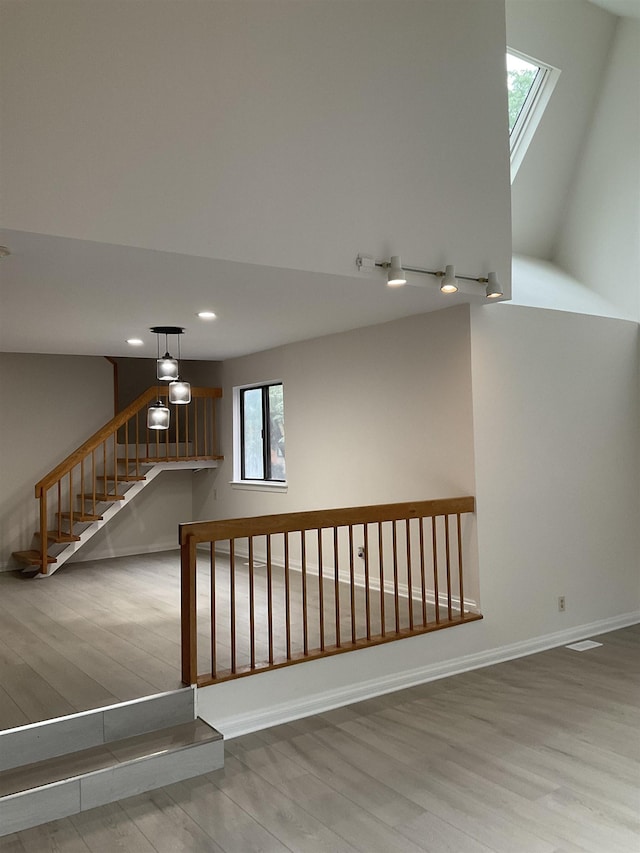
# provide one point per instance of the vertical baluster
(187, 449)
(448, 561)
(71, 497)
(232, 601)
(460, 573)
(320, 590)
(287, 595)
(336, 584)
(423, 582)
(82, 493)
(383, 628)
(214, 649)
(137, 445)
(93, 481)
(115, 463)
(367, 588)
(305, 627)
(205, 427)
(176, 412)
(104, 467)
(196, 443)
(214, 427)
(270, 597)
(44, 526)
(396, 592)
(409, 577)
(59, 512)
(434, 548)
(252, 611)
(126, 448)
(352, 585)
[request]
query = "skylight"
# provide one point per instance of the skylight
(530, 84)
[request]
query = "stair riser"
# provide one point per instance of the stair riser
(51, 738)
(31, 808)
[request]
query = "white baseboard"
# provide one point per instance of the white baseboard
(277, 714)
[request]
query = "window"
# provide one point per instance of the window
(260, 433)
(530, 84)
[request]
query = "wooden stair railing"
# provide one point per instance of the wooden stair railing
(280, 589)
(76, 491)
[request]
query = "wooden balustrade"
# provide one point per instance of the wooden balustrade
(76, 491)
(279, 589)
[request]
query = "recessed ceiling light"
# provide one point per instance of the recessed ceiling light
(135, 342)
(206, 315)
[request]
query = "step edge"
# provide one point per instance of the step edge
(217, 738)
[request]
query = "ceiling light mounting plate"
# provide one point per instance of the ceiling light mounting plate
(167, 330)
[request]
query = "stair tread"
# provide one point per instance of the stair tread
(126, 478)
(59, 536)
(82, 516)
(103, 497)
(32, 557)
(75, 764)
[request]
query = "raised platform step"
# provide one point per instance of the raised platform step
(117, 752)
(32, 557)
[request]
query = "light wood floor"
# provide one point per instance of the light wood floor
(538, 754)
(105, 631)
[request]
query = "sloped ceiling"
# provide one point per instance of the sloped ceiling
(158, 159)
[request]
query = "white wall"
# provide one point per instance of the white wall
(50, 405)
(556, 413)
(284, 133)
(600, 238)
(574, 36)
(375, 415)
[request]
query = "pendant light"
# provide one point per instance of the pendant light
(168, 370)
(179, 392)
(158, 416)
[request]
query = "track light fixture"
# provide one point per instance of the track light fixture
(396, 275)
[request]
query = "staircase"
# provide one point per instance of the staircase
(96, 481)
(61, 767)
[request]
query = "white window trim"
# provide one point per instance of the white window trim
(238, 482)
(532, 109)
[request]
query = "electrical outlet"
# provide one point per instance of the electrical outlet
(561, 604)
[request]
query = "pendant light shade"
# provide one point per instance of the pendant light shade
(179, 392)
(167, 368)
(449, 282)
(158, 416)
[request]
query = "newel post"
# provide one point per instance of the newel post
(188, 607)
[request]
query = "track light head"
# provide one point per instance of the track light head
(494, 291)
(449, 283)
(395, 274)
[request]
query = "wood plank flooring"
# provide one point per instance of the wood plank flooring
(537, 755)
(106, 631)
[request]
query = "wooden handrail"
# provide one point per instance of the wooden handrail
(260, 525)
(109, 429)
